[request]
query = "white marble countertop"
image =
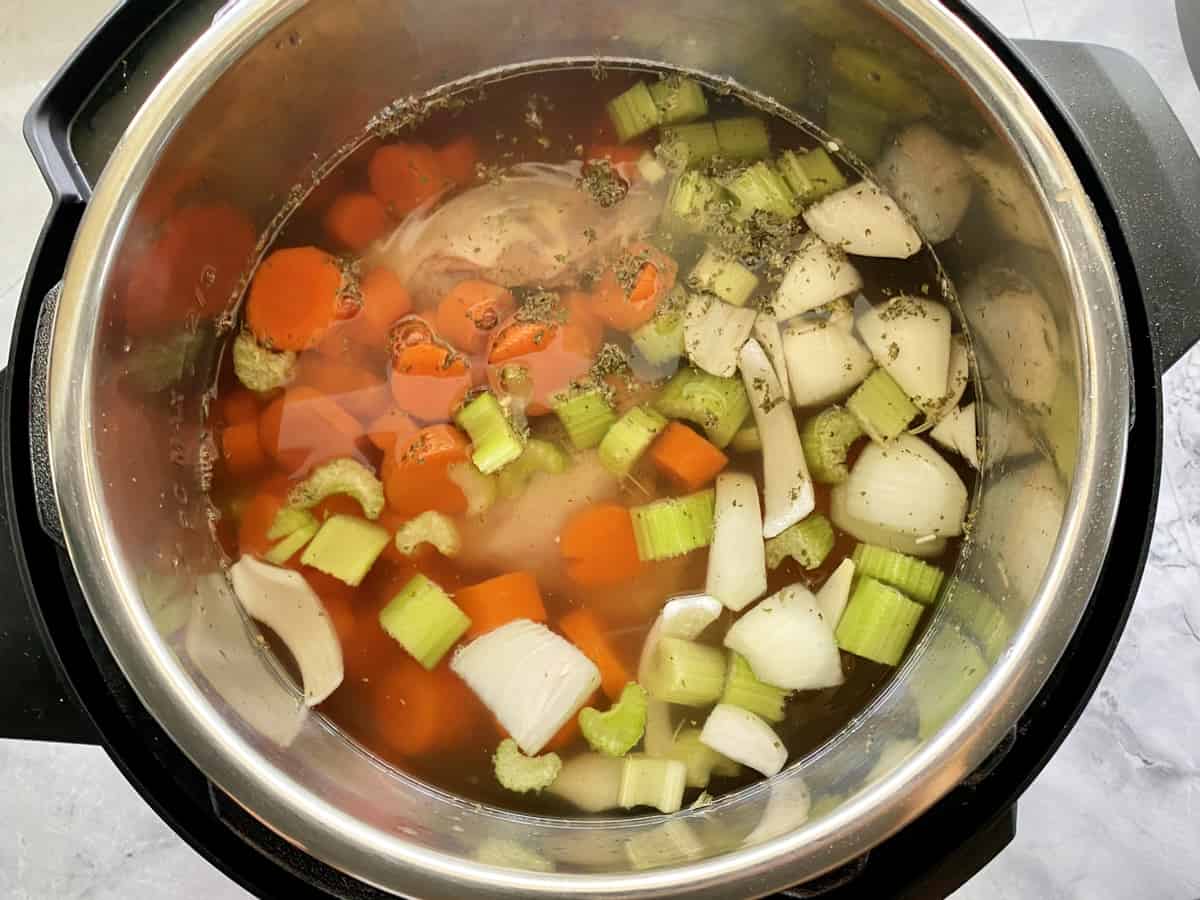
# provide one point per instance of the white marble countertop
(1115, 815)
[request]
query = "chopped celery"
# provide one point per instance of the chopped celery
(424, 620)
(290, 545)
(810, 175)
(743, 689)
(520, 773)
(678, 100)
(673, 526)
(718, 405)
(747, 440)
(496, 443)
(808, 542)
(261, 369)
(881, 407)
(702, 762)
(287, 520)
(538, 456)
(633, 112)
(653, 782)
(693, 202)
(686, 672)
(858, 125)
(827, 438)
(430, 527)
(682, 146)
(346, 547)
(341, 476)
(879, 81)
(907, 574)
(586, 415)
(617, 731)
(479, 489)
(721, 274)
(878, 622)
(745, 137)
(660, 341)
(761, 187)
(629, 438)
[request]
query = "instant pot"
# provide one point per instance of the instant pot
(118, 627)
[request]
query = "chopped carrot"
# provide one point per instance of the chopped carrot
(599, 547)
(384, 302)
(295, 298)
(467, 316)
(338, 599)
(414, 473)
(258, 515)
(394, 425)
(458, 159)
(302, 428)
(355, 221)
(429, 380)
(500, 600)
(241, 450)
(239, 406)
(420, 712)
(551, 355)
(686, 458)
(580, 313)
(404, 176)
(360, 392)
(583, 628)
(630, 290)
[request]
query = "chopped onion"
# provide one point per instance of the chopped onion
(910, 339)
(1006, 435)
(788, 642)
(864, 219)
(766, 331)
(529, 678)
(787, 489)
(282, 600)
(930, 178)
(737, 567)
(926, 545)
(745, 738)
(713, 333)
(906, 487)
(1010, 201)
(834, 594)
(591, 781)
(825, 359)
(960, 377)
(818, 274)
(956, 432)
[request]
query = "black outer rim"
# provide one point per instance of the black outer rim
(901, 866)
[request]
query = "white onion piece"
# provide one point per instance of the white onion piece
(960, 377)
(865, 220)
(737, 564)
(929, 177)
(529, 678)
(825, 359)
(956, 432)
(818, 274)
(1006, 435)
(906, 487)
(713, 333)
(926, 545)
(1010, 201)
(910, 339)
(788, 642)
(591, 781)
(745, 738)
(787, 489)
(834, 594)
(766, 331)
(283, 601)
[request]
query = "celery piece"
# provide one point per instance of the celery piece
(430, 527)
(678, 100)
(653, 782)
(743, 689)
(683, 146)
(719, 273)
(827, 438)
(290, 545)
(808, 542)
(878, 622)
(496, 443)
(881, 407)
(261, 369)
(747, 440)
(702, 761)
(686, 672)
(810, 175)
(629, 438)
(424, 620)
(866, 73)
(520, 773)
(673, 526)
(634, 112)
(911, 576)
(340, 476)
(617, 731)
(586, 415)
(718, 405)
(693, 202)
(660, 341)
(745, 137)
(538, 456)
(856, 124)
(761, 187)
(288, 520)
(346, 547)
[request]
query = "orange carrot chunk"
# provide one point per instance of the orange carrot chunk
(429, 380)
(355, 221)
(302, 427)
(500, 600)
(467, 316)
(404, 176)
(384, 302)
(458, 159)
(239, 406)
(599, 548)
(392, 426)
(630, 290)
(241, 450)
(547, 355)
(583, 629)
(295, 298)
(360, 392)
(686, 458)
(419, 712)
(415, 477)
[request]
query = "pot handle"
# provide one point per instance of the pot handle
(1149, 168)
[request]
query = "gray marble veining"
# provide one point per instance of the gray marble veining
(1115, 815)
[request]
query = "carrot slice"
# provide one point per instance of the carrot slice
(338, 599)
(598, 546)
(295, 298)
(404, 176)
(241, 450)
(500, 600)
(583, 628)
(239, 406)
(360, 392)
(467, 316)
(415, 477)
(458, 159)
(429, 380)
(686, 458)
(630, 290)
(394, 425)
(356, 220)
(580, 313)
(302, 427)
(258, 516)
(550, 355)
(420, 712)
(384, 302)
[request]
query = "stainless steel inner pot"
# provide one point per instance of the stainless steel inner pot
(273, 89)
